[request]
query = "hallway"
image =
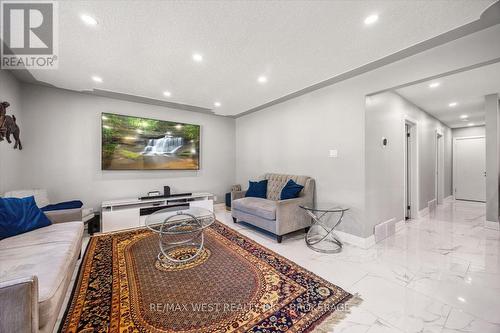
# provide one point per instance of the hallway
(439, 273)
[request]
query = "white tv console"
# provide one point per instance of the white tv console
(132, 213)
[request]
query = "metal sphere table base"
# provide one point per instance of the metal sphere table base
(192, 229)
(325, 240)
(180, 237)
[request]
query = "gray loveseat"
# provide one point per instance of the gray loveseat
(279, 217)
(35, 272)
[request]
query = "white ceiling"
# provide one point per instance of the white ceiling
(467, 89)
(144, 47)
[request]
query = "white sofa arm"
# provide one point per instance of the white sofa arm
(19, 305)
(65, 215)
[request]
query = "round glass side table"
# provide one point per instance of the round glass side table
(321, 236)
(180, 230)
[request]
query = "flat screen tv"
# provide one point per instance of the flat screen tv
(133, 143)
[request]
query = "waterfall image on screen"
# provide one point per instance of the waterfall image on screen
(133, 143)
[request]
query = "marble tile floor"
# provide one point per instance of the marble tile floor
(438, 273)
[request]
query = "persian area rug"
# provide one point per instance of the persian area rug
(236, 285)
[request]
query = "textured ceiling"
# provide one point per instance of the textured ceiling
(143, 48)
(467, 89)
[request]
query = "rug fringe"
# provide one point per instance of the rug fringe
(327, 325)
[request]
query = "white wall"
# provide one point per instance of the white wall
(10, 91)
(295, 136)
(385, 117)
(62, 139)
(469, 131)
(492, 129)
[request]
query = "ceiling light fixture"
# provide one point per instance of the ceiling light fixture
(217, 104)
(434, 85)
(262, 79)
(371, 19)
(464, 116)
(97, 79)
(452, 104)
(167, 93)
(197, 57)
(88, 20)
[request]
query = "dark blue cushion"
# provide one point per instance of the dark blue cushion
(291, 190)
(18, 216)
(257, 189)
(64, 205)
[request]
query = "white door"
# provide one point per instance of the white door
(470, 168)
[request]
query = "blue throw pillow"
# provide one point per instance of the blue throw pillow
(257, 189)
(18, 216)
(63, 205)
(291, 190)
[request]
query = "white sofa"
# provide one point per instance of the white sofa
(35, 273)
(36, 269)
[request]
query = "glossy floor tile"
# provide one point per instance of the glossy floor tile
(439, 273)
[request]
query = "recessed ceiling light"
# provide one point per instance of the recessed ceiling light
(167, 93)
(197, 57)
(97, 79)
(461, 299)
(434, 85)
(217, 104)
(262, 79)
(89, 20)
(452, 104)
(464, 116)
(470, 124)
(371, 19)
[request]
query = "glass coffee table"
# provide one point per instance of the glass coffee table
(321, 236)
(180, 233)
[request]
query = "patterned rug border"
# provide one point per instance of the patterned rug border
(76, 285)
(324, 324)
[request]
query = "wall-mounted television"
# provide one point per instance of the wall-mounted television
(134, 143)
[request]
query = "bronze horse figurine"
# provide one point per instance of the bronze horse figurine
(8, 126)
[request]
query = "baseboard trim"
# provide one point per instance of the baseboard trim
(423, 212)
(448, 198)
(361, 242)
(365, 243)
(400, 225)
(492, 225)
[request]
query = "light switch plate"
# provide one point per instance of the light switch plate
(333, 153)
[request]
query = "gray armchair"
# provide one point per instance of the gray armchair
(279, 217)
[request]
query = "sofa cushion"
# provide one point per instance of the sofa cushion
(63, 205)
(49, 254)
(276, 182)
(18, 216)
(256, 206)
(257, 189)
(291, 190)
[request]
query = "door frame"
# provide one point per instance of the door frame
(439, 167)
(455, 161)
(414, 167)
